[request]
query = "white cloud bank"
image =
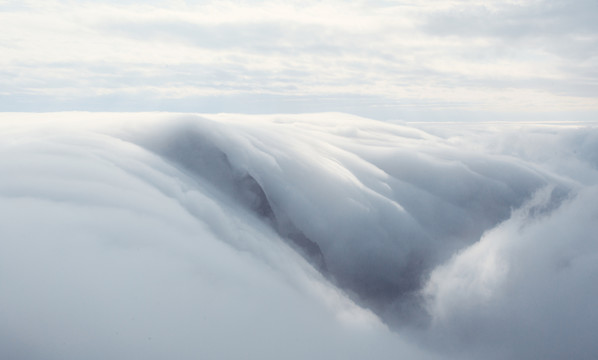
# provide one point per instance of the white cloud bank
(109, 251)
(527, 289)
(156, 235)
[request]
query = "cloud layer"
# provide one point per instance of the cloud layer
(526, 289)
(384, 59)
(108, 250)
(158, 235)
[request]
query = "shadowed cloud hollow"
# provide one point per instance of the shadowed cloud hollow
(294, 236)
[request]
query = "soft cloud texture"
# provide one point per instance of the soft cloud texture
(292, 236)
(526, 290)
(385, 59)
(107, 250)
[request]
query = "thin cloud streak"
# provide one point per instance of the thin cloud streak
(401, 53)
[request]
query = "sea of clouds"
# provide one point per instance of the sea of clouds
(154, 235)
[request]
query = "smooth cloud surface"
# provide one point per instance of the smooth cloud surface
(110, 251)
(227, 236)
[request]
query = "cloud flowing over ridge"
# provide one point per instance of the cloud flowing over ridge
(321, 236)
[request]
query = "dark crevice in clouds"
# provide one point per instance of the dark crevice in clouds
(196, 153)
(467, 195)
(470, 241)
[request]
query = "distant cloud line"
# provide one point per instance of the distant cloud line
(433, 60)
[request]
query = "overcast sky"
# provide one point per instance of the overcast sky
(154, 236)
(408, 60)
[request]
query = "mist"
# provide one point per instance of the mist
(154, 235)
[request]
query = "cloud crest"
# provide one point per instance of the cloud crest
(165, 234)
(110, 251)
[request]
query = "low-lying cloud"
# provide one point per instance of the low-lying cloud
(294, 236)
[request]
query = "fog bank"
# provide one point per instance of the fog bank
(292, 236)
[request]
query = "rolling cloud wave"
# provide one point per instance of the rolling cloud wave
(294, 236)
